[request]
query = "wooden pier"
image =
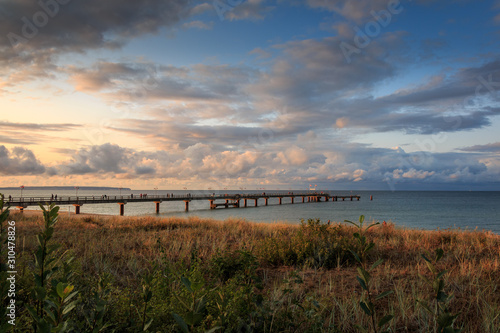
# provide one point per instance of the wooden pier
(215, 200)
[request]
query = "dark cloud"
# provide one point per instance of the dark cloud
(146, 81)
(35, 32)
(5, 125)
(17, 139)
(97, 159)
(165, 133)
(468, 82)
(19, 161)
(78, 25)
(22, 133)
(378, 116)
(144, 170)
(488, 148)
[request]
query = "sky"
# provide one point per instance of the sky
(233, 94)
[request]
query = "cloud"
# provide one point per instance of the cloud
(260, 53)
(361, 10)
(249, 10)
(487, 148)
(412, 174)
(144, 170)
(93, 24)
(355, 10)
(201, 8)
(292, 156)
(22, 133)
(472, 81)
(16, 138)
(144, 80)
(201, 164)
(5, 125)
(19, 161)
(308, 86)
(106, 158)
(37, 32)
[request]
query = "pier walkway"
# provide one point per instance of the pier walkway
(215, 200)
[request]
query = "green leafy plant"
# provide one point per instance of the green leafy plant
(241, 263)
(222, 305)
(95, 318)
(58, 305)
(52, 305)
(195, 307)
(148, 283)
(443, 318)
(365, 279)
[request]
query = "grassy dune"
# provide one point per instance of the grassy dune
(243, 276)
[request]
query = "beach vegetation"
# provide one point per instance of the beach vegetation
(156, 274)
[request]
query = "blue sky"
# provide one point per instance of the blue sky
(379, 94)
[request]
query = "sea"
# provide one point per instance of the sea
(429, 210)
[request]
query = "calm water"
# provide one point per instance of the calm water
(414, 209)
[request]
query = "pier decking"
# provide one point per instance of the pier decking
(215, 200)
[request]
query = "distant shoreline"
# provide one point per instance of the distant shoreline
(62, 188)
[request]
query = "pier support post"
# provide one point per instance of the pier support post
(245, 202)
(280, 198)
(77, 208)
(308, 199)
(292, 200)
(264, 199)
(256, 202)
(186, 205)
(226, 206)
(122, 208)
(157, 204)
(212, 206)
(351, 197)
(371, 197)
(303, 199)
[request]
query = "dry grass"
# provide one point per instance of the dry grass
(124, 247)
